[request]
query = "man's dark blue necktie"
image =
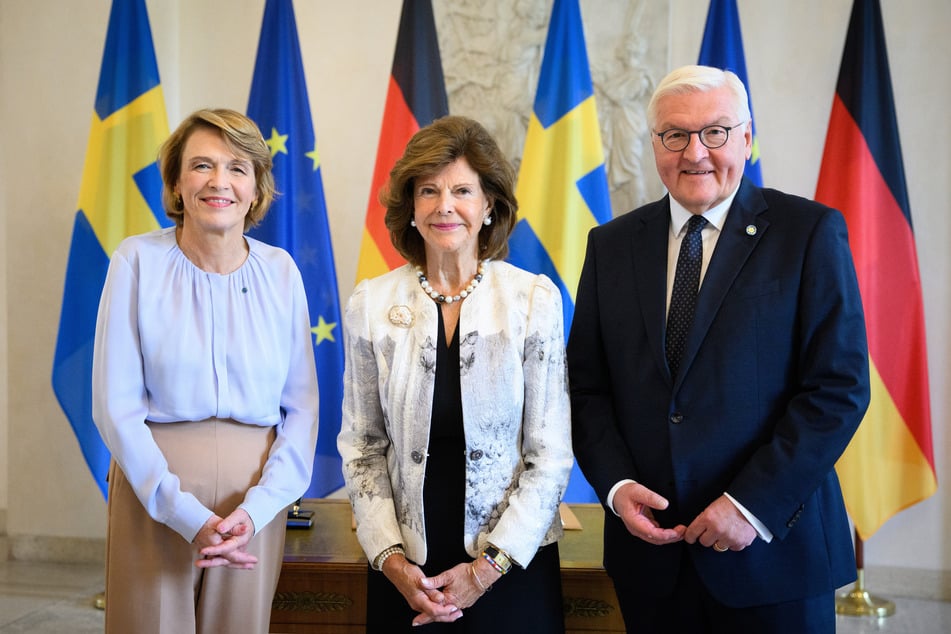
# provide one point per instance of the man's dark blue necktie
(683, 298)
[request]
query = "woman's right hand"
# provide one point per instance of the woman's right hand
(419, 591)
(223, 541)
(462, 585)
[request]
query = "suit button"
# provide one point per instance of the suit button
(475, 454)
(676, 418)
(795, 517)
(417, 457)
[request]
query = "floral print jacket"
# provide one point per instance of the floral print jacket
(514, 400)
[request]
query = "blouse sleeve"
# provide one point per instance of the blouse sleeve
(120, 406)
(289, 467)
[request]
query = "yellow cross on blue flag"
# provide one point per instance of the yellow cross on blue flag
(297, 221)
(120, 195)
(562, 187)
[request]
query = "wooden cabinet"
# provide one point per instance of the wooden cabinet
(323, 580)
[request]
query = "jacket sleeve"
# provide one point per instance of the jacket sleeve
(600, 449)
(832, 388)
(546, 430)
(363, 442)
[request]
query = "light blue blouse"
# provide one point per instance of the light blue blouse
(176, 343)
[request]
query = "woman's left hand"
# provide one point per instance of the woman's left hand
(223, 542)
(460, 587)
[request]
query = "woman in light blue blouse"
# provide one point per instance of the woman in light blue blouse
(205, 392)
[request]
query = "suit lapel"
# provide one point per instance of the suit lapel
(741, 233)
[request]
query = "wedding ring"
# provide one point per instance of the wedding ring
(720, 549)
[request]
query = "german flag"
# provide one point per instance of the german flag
(889, 464)
(415, 98)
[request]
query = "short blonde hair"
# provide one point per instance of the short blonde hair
(243, 138)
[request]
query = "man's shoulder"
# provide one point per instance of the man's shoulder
(784, 202)
(630, 220)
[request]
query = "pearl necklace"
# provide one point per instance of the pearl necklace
(439, 298)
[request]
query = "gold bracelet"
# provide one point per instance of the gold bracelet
(475, 576)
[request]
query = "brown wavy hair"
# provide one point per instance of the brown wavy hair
(430, 150)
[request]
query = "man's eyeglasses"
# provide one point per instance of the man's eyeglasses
(712, 136)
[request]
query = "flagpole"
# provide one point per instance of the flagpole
(858, 602)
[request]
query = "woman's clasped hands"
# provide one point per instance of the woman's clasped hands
(223, 542)
(440, 598)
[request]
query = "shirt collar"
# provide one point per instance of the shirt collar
(716, 216)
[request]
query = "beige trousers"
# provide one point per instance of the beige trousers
(152, 584)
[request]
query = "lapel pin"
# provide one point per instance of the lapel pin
(751, 230)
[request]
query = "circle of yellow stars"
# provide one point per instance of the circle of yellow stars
(278, 144)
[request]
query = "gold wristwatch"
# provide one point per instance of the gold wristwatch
(497, 557)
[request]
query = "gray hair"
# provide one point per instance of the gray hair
(693, 78)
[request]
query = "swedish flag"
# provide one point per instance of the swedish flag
(120, 195)
(297, 221)
(562, 187)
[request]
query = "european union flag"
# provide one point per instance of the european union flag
(297, 221)
(722, 47)
(562, 186)
(120, 195)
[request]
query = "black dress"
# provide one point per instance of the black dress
(524, 600)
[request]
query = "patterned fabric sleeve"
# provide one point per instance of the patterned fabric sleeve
(363, 441)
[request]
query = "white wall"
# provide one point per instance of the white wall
(50, 54)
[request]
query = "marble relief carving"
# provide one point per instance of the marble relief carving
(492, 52)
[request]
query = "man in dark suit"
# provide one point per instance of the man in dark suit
(710, 434)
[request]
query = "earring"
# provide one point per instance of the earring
(487, 221)
(412, 223)
(179, 203)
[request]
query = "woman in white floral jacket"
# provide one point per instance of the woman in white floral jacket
(456, 425)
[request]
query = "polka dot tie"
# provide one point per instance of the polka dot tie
(683, 298)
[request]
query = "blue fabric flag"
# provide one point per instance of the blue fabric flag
(297, 220)
(562, 186)
(722, 47)
(120, 195)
